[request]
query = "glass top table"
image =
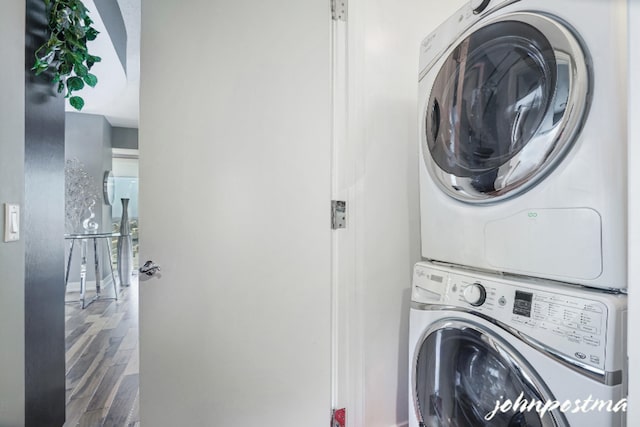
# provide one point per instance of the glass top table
(84, 239)
(76, 236)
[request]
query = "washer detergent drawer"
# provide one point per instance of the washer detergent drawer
(530, 241)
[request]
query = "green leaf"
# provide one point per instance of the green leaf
(76, 102)
(81, 8)
(80, 70)
(91, 80)
(38, 64)
(48, 58)
(73, 58)
(40, 67)
(65, 52)
(76, 46)
(65, 68)
(75, 83)
(79, 31)
(91, 60)
(92, 33)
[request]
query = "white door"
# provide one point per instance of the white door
(235, 175)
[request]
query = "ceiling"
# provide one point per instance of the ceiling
(116, 96)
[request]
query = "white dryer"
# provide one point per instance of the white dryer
(477, 339)
(523, 139)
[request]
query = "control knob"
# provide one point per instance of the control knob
(475, 294)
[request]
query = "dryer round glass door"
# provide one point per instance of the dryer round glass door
(505, 106)
(461, 370)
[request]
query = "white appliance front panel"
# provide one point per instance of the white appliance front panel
(562, 242)
(569, 321)
(574, 327)
(592, 175)
(564, 383)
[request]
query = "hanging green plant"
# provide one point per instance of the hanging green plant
(66, 50)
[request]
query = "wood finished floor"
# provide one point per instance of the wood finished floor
(102, 361)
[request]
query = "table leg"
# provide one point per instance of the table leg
(113, 277)
(66, 277)
(83, 271)
(97, 266)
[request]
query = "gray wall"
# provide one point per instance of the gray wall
(112, 18)
(43, 231)
(88, 139)
(125, 138)
(12, 29)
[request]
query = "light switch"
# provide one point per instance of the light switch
(14, 222)
(11, 222)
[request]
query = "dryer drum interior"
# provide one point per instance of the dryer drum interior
(506, 105)
(461, 371)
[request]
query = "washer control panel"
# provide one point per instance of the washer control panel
(475, 294)
(553, 316)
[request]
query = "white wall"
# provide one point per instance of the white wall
(12, 32)
(634, 213)
(385, 38)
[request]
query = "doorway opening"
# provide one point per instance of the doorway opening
(101, 286)
(101, 339)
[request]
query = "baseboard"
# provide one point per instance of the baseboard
(404, 424)
(105, 285)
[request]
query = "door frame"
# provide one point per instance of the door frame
(348, 143)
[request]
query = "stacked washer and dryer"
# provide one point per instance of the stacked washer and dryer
(522, 294)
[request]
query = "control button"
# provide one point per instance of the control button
(479, 5)
(559, 332)
(502, 301)
(571, 315)
(573, 325)
(475, 294)
(590, 329)
(594, 308)
(543, 325)
(574, 338)
(594, 359)
(591, 341)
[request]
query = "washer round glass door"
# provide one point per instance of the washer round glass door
(506, 105)
(461, 370)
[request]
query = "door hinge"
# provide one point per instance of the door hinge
(339, 418)
(338, 214)
(339, 10)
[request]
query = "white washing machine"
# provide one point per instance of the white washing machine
(477, 339)
(523, 139)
